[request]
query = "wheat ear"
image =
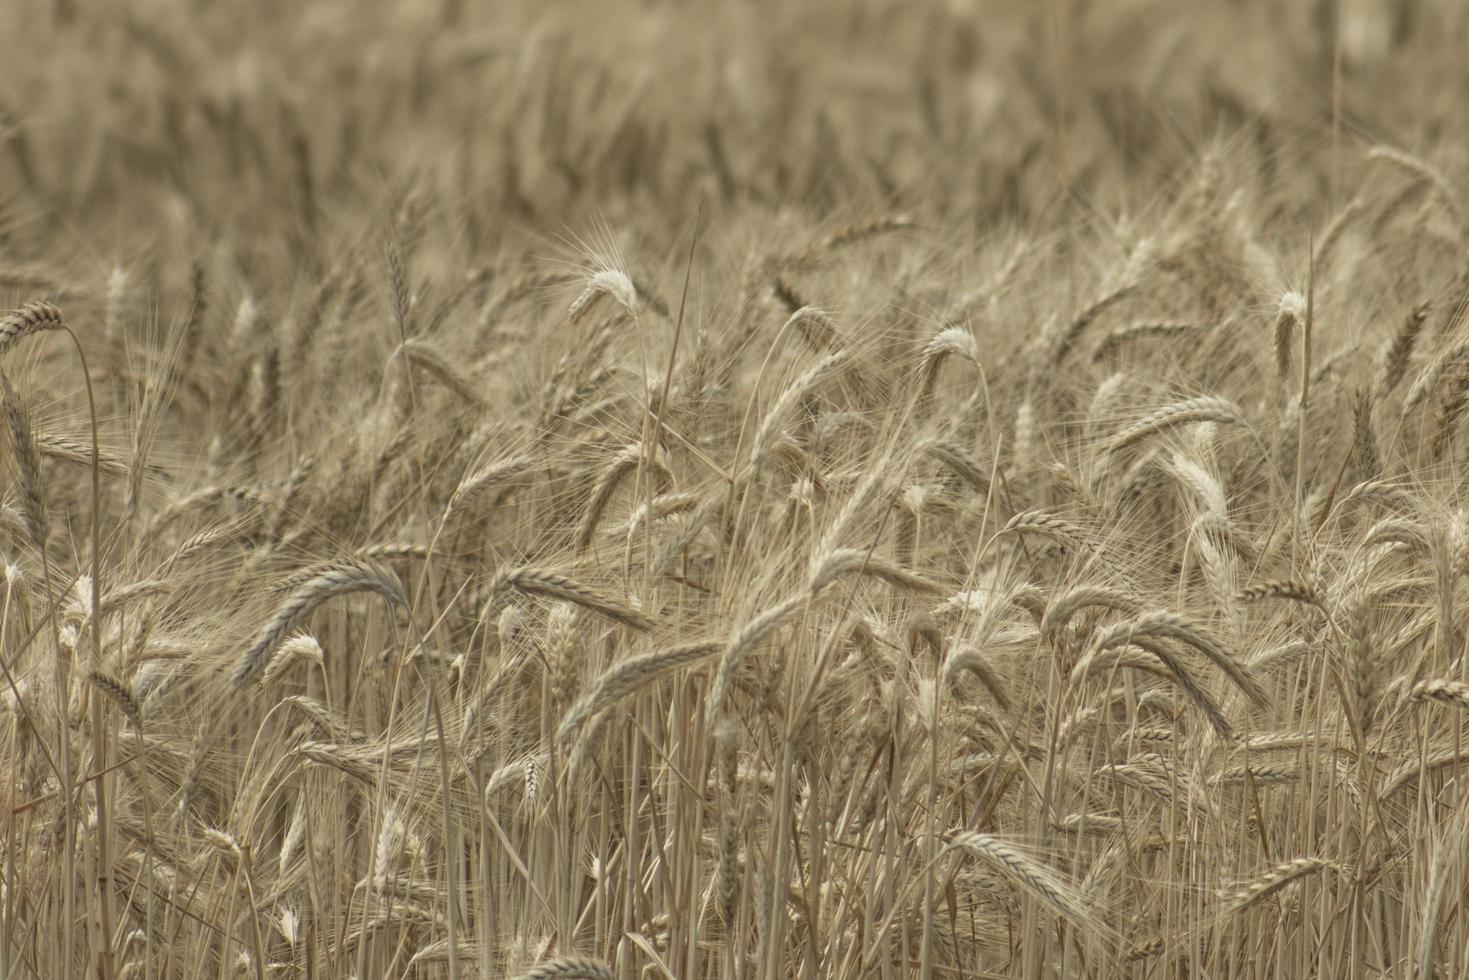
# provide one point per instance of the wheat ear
(1447, 692)
(627, 677)
(570, 968)
(1243, 895)
(1041, 882)
(119, 694)
(30, 319)
(850, 561)
(338, 579)
(550, 585)
(1204, 409)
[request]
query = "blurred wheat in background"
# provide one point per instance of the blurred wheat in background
(754, 490)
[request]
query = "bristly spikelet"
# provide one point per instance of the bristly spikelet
(476, 482)
(1069, 336)
(1142, 330)
(1040, 522)
(627, 677)
(627, 461)
(302, 646)
(790, 297)
(849, 561)
(117, 288)
(971, 658)
(1451, 406)
(223, 842)
(1169, 626)
(850, 235)
(767, 436)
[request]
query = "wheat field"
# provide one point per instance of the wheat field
(663, 490)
